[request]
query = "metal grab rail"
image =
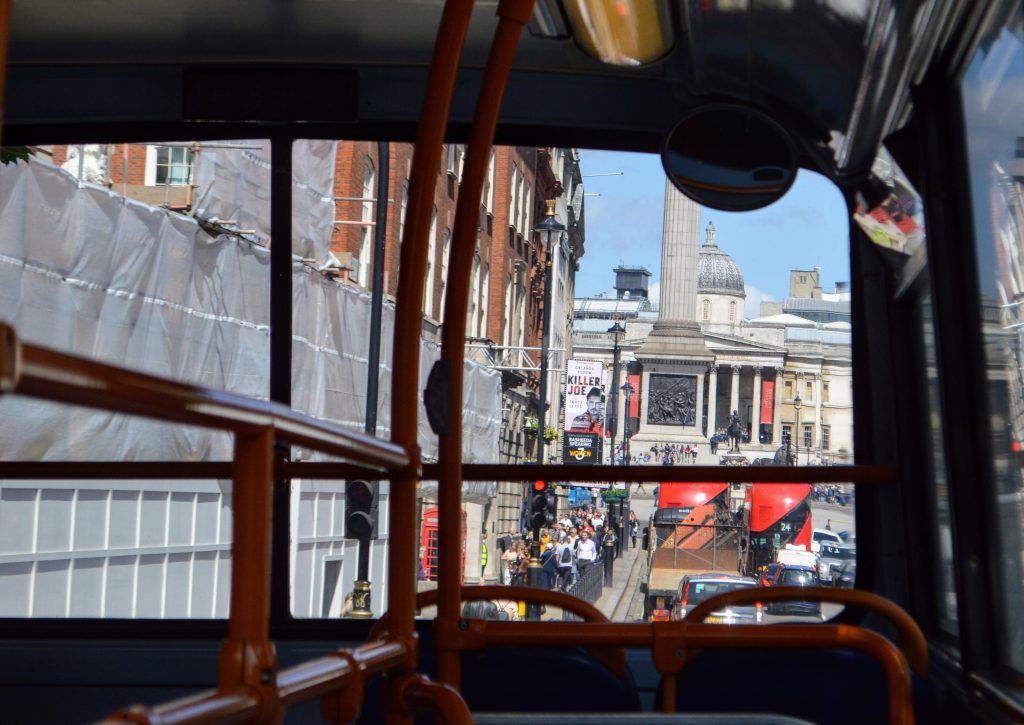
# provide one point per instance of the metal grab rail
(912, 641)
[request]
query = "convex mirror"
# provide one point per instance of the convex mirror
(730, 158)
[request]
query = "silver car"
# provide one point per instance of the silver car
(832, 556)
(695, 588)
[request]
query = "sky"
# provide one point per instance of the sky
(807, 228)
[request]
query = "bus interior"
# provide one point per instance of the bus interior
(206, 385)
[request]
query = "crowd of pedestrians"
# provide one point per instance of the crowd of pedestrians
(568, 548)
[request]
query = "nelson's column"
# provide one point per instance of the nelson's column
(674, 355)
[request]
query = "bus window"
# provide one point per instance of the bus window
(992, 102)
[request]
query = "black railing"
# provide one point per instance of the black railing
(587, 587)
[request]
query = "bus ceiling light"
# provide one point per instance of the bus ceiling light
(622, 32)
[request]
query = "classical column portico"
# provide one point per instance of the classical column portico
(755, 424)
(712, 400)
(734, 391)
(777, 415)
(816, 443)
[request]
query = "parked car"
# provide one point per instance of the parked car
(823, 535)
(794, 576)
(695, 588)
(845, 575)
(832, 555)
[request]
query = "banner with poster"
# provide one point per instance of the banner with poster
(767, 401)
(581, 448)
(585, 388)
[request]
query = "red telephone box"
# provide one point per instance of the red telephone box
(428, 545)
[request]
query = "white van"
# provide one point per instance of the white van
(824, 535)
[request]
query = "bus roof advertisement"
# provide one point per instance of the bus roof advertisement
(585, 389)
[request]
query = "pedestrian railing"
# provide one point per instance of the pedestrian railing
(587, 587)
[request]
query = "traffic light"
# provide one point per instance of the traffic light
(361, 509)
(539, 505)
(552, 506)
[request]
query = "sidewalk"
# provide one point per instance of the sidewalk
(625, 579)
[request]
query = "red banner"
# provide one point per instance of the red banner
(767, 401)
(634, 400)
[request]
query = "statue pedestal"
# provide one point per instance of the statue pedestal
(734, 459)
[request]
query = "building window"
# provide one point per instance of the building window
(489, 191)
(788, 386)
(366, 216)
(824, 392)
(513, 199)
(472, 319)
(732, 312)
(706, 310)
(168, 165)
(428, 288)
(506, 334)
(401, 214)
(446, 248)
(826, 435)
(808, 435)
(787, 434)
(485, 300)
(808, 391)
(453, 154)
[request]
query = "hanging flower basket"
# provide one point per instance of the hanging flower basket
(550, 434)
(530, 427)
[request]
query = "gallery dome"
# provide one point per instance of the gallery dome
(717, 273)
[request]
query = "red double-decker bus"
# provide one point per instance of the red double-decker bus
(779, 514)
(693, 530)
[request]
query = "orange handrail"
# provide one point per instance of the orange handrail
(912, 641)
(437, 99)
(205, 707)
(860, 473)
(670, 643)
(513, 16)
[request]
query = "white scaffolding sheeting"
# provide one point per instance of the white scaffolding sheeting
(233, 185)
(86, 271)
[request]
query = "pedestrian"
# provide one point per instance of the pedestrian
(828, 525)
(483, 554)
(634, 527)
(693, 452)
(586, 554)
(563, 557)
(549, 565)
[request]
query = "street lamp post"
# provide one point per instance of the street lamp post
(549, 227)
(617, 332)
(627, 390)
(796, 406)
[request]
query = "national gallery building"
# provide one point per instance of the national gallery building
(695, 360)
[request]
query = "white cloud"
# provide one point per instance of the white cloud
(753, 304)
(654, 293)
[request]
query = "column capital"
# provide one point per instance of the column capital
(713, 368)
(757, 371)
(779, 372)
